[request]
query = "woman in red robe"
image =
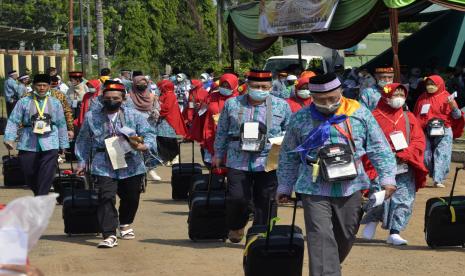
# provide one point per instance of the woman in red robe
(437, 105)
(302, 96)
(94, 91)
(228, 89)
(405, 135)
(197, 102)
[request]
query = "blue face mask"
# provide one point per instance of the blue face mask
(382, 83)
(225, 91)
(258, 95)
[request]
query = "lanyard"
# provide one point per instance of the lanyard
(394, 123)
(347, 135)
(39, 110)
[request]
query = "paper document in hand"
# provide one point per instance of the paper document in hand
(273, 155)
(116, 153)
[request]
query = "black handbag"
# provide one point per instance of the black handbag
(435, 128)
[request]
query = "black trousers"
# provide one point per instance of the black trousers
(10, 107)
(39, 169)
(249, 187)
(128, 190)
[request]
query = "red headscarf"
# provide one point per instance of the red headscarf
(197, 95)
(296, 103)
(86, 101)
(215, 106)
(439, 108)
(390, 120)
(169, 108)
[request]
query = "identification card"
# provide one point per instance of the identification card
(116, 153)
(425, 108)
(41, 127)
(452, 96)
(436, 131)
(191, 104)
(202, 111)
(398, 140)
(74, 104)
(251, 130)
(249, 145)
(402, 168)
(341, 170)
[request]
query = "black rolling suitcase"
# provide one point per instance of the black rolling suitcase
(275, 252)
(65, 181)
(207, 215)
(80, 209)
(12, 173)
(181, 176)
(199, 183)
(445, 219)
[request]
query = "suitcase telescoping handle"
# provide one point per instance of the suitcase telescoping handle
(457, 169)
(268, 227)
(209, 185)
(193, 154)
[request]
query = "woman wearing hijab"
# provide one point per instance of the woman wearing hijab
(407, 141)
(170, 122)
(228, 89)
(94, 91)
(302, 96)
(196, 103)
(441, 120)
(143, 100)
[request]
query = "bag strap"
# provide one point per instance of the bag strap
(407, 126)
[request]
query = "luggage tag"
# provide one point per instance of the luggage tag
(74, 104)
(115, 152)
(191, 104)
(425, 108)
(398, 140)
(437, 131)
(402, 168)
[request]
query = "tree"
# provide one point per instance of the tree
(135, 40)
(100, 35)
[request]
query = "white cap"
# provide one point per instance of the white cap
(291, 78)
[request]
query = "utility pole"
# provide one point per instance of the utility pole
(81, 33)
(70, 37)
(89, 42)
(219, 30)
(100, 35)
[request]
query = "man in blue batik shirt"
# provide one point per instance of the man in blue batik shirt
(114, 123)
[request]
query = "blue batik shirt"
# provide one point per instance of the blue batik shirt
(57, 138)
(91, 140)
(370, 96)
(11, 90)
(368, 137)
(229, 127)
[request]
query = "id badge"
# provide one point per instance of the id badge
(342, 170)
(74, 104)
(402, 168)
(437, 131)
(425, 108)
(398, 140)
(191, 104)
(39, 127)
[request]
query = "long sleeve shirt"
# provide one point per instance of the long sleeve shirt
(368, 138)
(11, 90)
(369, 97)
(57, 138)
(229, 126)
(91, 143)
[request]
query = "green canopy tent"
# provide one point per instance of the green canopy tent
(352, 21)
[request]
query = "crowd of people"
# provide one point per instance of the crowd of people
(391, 136)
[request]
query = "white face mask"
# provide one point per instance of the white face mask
(304, 94)
(396, 102)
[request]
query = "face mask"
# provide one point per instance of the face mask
(41, 95)
(141, 87)
(382, 83)
(396, 102)
(431, 89)
(258, 95)
(225, 91)
(282, 79)
(92, 90)
(327, 110)
(111, 105)
(304, 94)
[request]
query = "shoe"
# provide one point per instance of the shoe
(236, 236)
(153, 175)
(60, 160)
(439, 185)
(127, 234)
(175, 160)
(370, 230)
(396, 239)
(109, 242)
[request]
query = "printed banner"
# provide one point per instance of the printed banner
(284, 17)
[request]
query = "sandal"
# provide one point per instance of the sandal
(109, 242)
(127, 234)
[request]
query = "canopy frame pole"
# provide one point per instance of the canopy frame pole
(394, 28)
(299, 51)
(231, 43)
